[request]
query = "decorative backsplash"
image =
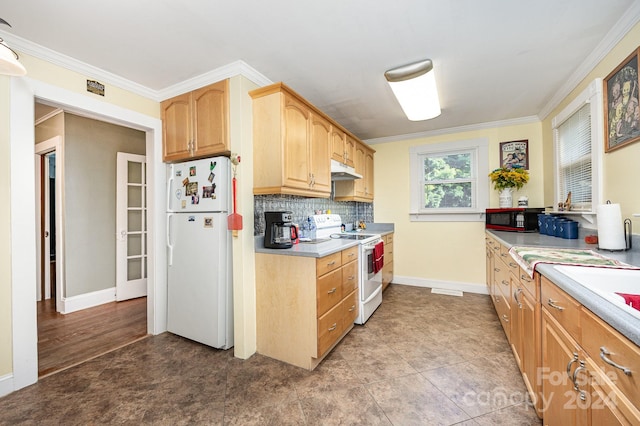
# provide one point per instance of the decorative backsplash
(303, 207)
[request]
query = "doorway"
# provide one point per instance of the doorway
(78, 318)
(24, 332)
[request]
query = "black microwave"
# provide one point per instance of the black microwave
(513, 219)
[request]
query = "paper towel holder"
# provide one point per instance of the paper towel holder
(627, 237)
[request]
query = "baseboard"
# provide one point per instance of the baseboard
(6, 384)
(449, 285)
(88, 300)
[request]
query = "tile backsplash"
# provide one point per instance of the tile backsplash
(302, 207)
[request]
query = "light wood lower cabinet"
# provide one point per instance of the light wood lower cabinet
(589, 369)
(387, 268)
(305, 305)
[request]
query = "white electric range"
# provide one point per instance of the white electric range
(369, 282)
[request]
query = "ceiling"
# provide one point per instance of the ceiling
(495, 60)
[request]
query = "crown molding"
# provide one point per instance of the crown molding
(235, 68)
(451, 130)
(628, 20)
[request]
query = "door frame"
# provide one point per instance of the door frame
(42, 149)
(24, 92)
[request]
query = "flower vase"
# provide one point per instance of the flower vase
(506, 198)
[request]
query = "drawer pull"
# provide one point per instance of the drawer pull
(333, 290)
(333, 262)
(524, 277)
(496, 269)
(351, 254)
(505, 317)
(333, 327)
(503, 282)
(552, 303)
(351, 278)
(504, 254)
(603, 354)
(352, 308)
(513, 265)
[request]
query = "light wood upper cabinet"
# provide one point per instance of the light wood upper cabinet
(343, 146)
(292, 146)
(359, 189)
(196, 124)
(320, 153)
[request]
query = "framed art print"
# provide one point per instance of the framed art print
(515, 154)
(621, 110)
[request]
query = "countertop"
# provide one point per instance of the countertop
(624, 322)
(324, 248)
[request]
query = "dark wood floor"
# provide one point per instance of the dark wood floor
(67, 340)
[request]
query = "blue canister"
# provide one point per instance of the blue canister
(541, 218)
(547, 226)
(570, 230)
(558, 226)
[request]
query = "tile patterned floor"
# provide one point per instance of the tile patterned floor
(422, 359)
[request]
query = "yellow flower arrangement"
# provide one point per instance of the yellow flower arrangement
(503, 178)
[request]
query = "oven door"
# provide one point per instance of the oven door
(370, 281)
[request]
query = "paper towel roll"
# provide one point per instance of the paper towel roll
(610, 227)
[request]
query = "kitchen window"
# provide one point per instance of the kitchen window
(578, 141)
(449, 181)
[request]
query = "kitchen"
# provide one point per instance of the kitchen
(457, 243)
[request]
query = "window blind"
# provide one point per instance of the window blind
(573, 153)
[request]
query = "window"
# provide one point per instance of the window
(577, 133)
(449, 181)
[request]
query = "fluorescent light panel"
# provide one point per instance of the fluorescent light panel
(414, 85)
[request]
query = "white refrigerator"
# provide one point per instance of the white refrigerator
(200, 296)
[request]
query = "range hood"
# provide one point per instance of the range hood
(340, 171)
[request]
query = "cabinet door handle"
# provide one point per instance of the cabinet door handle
(333, 327)
(575, 359)
(333, 290)
(351, 278)
(496, 269)
(505, 317)
(552, 303)
(603, 354)
(352, 308)
(515, 297)
(583, 396)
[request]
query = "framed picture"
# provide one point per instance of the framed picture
(515, 154)
(621, 110)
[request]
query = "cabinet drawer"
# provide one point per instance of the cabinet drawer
(330, 328)
(562, 307)
(350, 309)
(502, 277)
(388, 252)
(529, 283)
(328, 263)
(329, 291)
(600, 339)
(504, 314)
(349, 277)
(349, 255)
(388, 239)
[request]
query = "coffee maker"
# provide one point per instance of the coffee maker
(279, 231)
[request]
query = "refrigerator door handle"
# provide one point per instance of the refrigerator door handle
(169, 242)
(169, 186)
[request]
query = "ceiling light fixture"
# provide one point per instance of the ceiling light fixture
(9, 64)
(415, 88)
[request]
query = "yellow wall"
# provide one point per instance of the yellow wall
(444, 251)
(6, 357)
(621, 171)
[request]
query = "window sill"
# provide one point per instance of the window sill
(478, 216)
